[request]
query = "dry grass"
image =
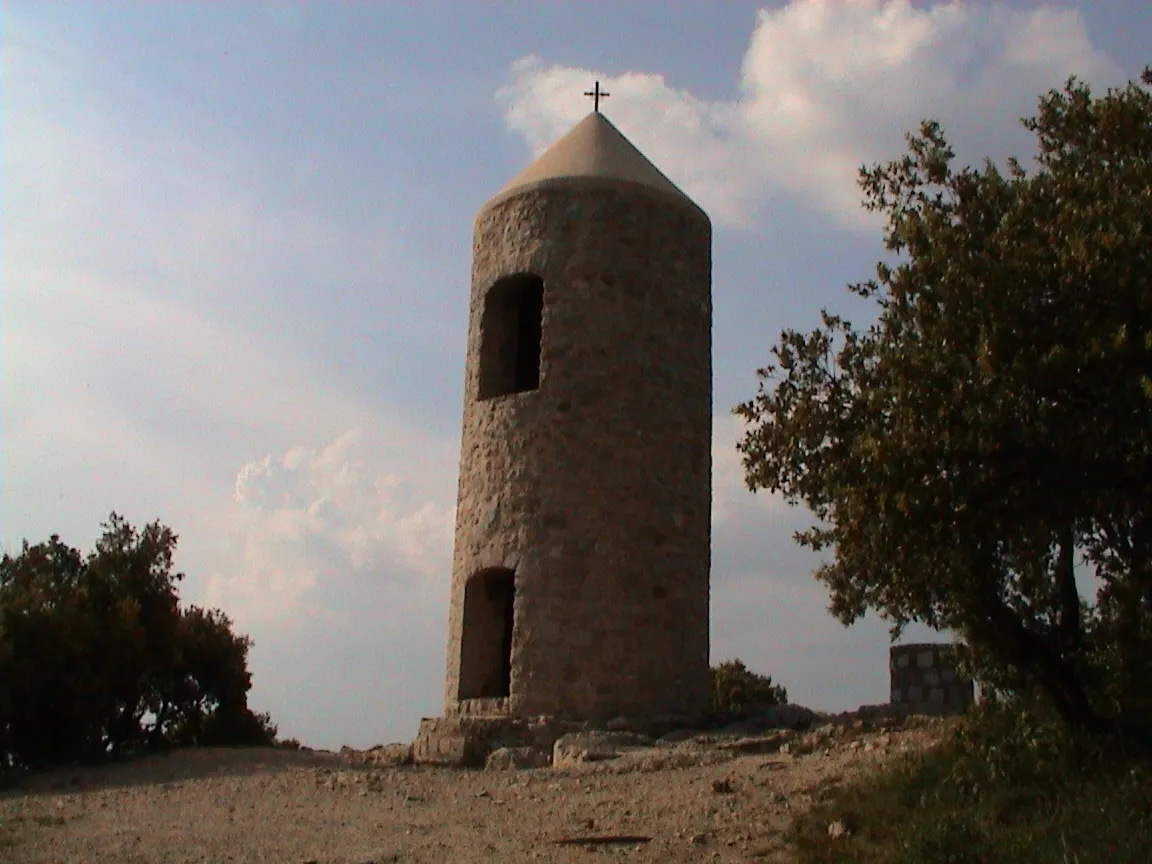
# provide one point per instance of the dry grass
(1002, 788)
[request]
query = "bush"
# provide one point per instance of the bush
(1009, 783)
(98, 659)
(738, 693)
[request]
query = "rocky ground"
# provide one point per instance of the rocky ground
(715, 796)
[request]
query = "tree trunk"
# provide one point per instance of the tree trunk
(1012, 641)
(1069, 594)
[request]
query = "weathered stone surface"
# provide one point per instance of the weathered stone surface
(917, 675)
(450, 741)
(387, 755)
(383, 755)
(517, 758)
(594, 488)
(579, 747)
(467, 740)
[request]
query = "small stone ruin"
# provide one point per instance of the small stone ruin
(925, 679)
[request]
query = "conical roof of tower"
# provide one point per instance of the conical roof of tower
(593, 149)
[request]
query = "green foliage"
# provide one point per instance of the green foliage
(990, 428)
(1012, 783)
(97, 658)
(737, 692)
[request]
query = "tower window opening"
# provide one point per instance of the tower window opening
(486, 643)
(510, 334)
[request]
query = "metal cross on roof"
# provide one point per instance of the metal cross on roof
(597, 94)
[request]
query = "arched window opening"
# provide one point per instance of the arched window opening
(510, 333)
(486, 641)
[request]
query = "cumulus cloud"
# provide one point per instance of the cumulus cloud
(367, 512)
(340, 567)
(826, 88)
(325, 530)
(342, 559)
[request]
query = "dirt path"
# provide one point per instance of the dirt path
(713, 798)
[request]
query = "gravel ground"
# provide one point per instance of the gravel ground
(713, 798)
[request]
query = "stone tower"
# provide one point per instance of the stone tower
(582, 549)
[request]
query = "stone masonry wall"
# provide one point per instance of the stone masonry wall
(925, 679)
(595, 488)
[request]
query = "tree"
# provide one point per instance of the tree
(97, 658)
(991, 427)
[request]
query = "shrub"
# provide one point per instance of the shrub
(98, 659)
(1009, 783)
(738, 692)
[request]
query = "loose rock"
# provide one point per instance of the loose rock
(516, 758)
(578, 747)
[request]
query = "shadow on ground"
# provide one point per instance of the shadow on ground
(176, 766)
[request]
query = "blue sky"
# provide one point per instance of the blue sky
(235, 266)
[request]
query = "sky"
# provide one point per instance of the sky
(235, 247)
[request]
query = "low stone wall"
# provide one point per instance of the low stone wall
(925, 679)
(467, 740)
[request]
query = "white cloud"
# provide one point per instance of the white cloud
(731, 499)
(338, 565)
(142, 266)
(379, 513)
(359, 516)
(826, 88)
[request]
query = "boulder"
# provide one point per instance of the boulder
(577, 747)
(516, 758)
(389, 755)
